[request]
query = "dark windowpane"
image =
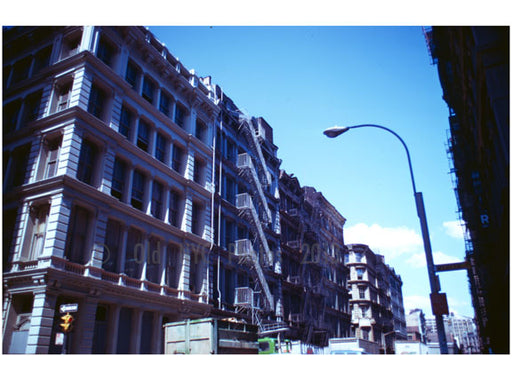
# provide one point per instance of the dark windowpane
(164, 104)
(10, 116)
(138, 189)
(125, 123)
(42, 59)
(31, 107)
(156, 200)
(87, 162)
(76, 245)
(118, 179)
(105, 51)
(148, 89)
(161, 147)
(143, 135)
(131, 74)
(96, 102)
(174, 208)
(179, 116)
(177, 158)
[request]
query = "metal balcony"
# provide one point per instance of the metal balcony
(248, 129)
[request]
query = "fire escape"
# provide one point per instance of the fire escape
(253, 207)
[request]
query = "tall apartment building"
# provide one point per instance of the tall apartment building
(107, 188)
(314, 276)
(396, 300)
(461, 331)
(473, 65)
(416, 326)
(372, 286)
(246, 264)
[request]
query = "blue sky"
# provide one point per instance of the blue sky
(305, 79)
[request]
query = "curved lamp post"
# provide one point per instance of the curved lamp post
(437, 299)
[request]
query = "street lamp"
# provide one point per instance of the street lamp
(437, 299)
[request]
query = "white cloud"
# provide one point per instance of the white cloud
(388, 241)
(418, 260)
(454, 229)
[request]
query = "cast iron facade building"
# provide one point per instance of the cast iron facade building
(137, 190)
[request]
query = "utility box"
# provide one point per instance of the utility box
(210, 336)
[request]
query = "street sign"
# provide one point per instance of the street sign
(69, 308)
(452, 266)
(439, 303)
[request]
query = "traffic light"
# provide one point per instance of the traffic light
(67, 322)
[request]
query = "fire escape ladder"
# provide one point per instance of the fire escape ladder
(248, 172)
(246, 208)
(245, 251)
(247, 128)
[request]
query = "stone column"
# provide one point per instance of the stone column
(43, 311)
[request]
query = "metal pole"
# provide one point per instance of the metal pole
(420, 208)
(433, 279)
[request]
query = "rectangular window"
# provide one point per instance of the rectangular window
(71, 45)
(153, 260)
(231, 151)
(177, 159)
(230, 190)
(230, 233)
(134, 253)
(165, 104)
(362, 292)
(360, 272)
(201, 130)
(87, 162)
(42, 59)
(31, 107)
(10, 116)
(21, 70)
(76, 245)
(132, 73)
(118, 179)
(97, 100)
(35, 232)
(138, 189)
(63, 95)
(143, 135)
(199, 169)
(173, 265)
(52, 157)
(156, 200)
(112, 247)
(175, 208)
(179, 116)
(18, 171)
(161, 148)
(125, 122)
(196, 227)
(148, 90)
(105, 51)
